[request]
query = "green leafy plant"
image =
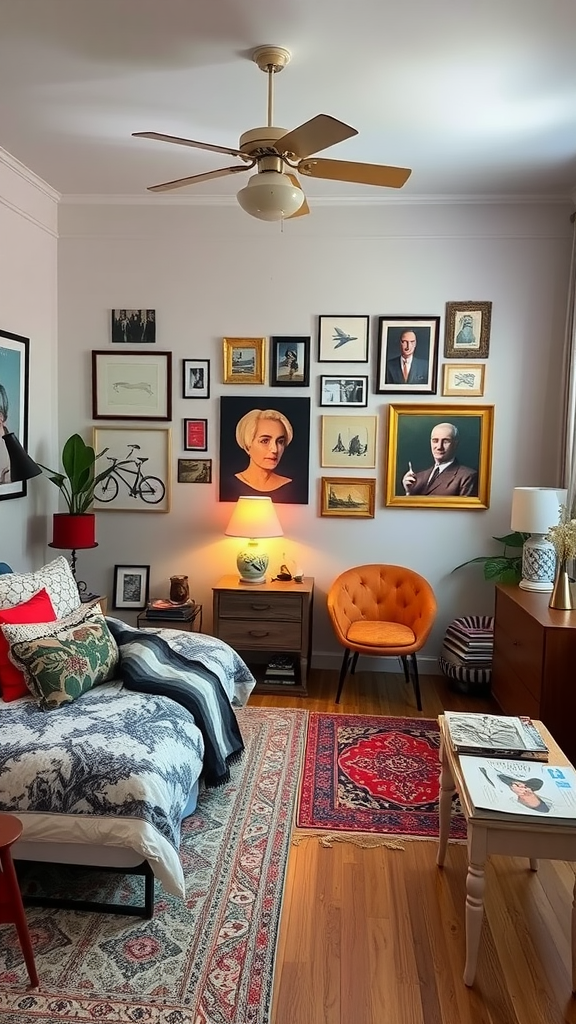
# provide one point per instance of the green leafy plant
(502, 568)
(77, 482)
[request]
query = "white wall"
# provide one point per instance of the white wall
(212, 272)
(28, 296)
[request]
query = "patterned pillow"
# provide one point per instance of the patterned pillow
(65, 660)
(56, 577)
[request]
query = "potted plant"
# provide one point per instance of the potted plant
(502, 568)
(76, 528)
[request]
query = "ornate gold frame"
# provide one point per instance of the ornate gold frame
(233, 350)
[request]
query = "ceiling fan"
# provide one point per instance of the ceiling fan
(274, 192)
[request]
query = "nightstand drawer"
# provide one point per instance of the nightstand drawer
(261, 634)
(282, 607)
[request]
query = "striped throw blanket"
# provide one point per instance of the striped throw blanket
(149, 665)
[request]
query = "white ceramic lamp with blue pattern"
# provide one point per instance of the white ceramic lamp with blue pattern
(253, 518)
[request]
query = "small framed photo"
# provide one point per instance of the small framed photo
(348, 497)
(349, 441)
(133, 326)
(463, 379)
(131, 385)
(289, 362)
(194, 471)
(343, 339)
(131, 586)
(467, 330)
(14, 374)
(407, 354)
(348, 391)
(244, 360)
(195, 378)
(195, 435)
(439, 456)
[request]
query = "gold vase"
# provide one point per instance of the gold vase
(561, 596)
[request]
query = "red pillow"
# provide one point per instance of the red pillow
(38, 608)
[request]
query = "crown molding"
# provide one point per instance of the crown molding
(405, 200)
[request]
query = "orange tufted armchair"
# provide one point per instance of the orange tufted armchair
(382, 610)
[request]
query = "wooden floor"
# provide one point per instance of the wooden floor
(376, 936)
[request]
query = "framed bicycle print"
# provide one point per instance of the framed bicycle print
(195, 378)
(131, 385)
(140, 480)
(343, 339)
(13, 406)
(195, 435)
(131, 585)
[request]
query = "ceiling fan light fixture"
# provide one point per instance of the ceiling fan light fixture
(270, 195)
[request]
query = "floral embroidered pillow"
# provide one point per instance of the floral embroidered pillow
(64, 663)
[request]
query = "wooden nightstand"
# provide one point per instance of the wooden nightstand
(262, 619)
(189, 625)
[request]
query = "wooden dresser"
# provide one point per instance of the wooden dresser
(263, 619)
(534, 665)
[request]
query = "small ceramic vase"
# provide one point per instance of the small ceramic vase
(179, 589)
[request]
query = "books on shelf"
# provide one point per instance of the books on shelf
(166, 610)
(520, 790)
(281, 670)
(495, 736)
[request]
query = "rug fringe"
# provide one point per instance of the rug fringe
(366, 840)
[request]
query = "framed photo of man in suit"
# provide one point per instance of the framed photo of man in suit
(439, 456)
(407, 354)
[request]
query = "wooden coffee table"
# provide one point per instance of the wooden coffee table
(538, 839)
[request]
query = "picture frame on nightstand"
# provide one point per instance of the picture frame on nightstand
(131, 587)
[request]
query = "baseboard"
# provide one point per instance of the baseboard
(324, 659)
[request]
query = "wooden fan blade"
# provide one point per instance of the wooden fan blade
(193, 178)
(363, 174)
(187, 142)
(304, 209)
(312, 136)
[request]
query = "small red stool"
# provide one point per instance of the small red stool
(11, 908)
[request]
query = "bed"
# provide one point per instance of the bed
(105, 779)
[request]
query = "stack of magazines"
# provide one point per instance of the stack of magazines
(280, 671)
(495, 736)
(166, 610)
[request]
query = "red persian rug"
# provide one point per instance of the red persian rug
(364, 773)
(207, 959)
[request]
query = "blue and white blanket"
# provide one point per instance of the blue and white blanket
(115, 767)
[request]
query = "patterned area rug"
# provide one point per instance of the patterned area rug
(373, 775)
(206, 960)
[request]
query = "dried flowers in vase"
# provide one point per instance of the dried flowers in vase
(563, 537)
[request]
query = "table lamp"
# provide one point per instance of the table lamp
(22, 467)
(253, 518)
(534, 511)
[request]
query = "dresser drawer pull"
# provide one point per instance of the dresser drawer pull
(260, 607)
(258, 632)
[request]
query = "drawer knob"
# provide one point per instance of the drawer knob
(258, 632)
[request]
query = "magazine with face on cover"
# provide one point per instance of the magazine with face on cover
(498, 735)
(521, 789)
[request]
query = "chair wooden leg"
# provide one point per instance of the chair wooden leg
(416, 681)
(354, 662)
(343, 672)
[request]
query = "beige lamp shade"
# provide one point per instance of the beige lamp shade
(253, 518)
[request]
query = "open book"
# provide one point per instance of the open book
(495, 736)
(524, 791)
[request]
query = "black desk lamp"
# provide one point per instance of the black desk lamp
(22, 467)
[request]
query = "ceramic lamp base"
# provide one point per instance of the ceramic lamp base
(252, 563)
(538, 564)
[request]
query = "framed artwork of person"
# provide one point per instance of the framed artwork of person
(467, 330)
(439, 456)
(407, 354)
(265, 448)
(13, 405)
(195, 378)
(289, 362)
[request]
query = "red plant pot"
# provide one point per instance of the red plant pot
(74, 531)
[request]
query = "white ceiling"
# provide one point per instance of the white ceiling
(478, 98)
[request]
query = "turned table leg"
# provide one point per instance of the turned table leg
(447, 790)
(475, 885)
